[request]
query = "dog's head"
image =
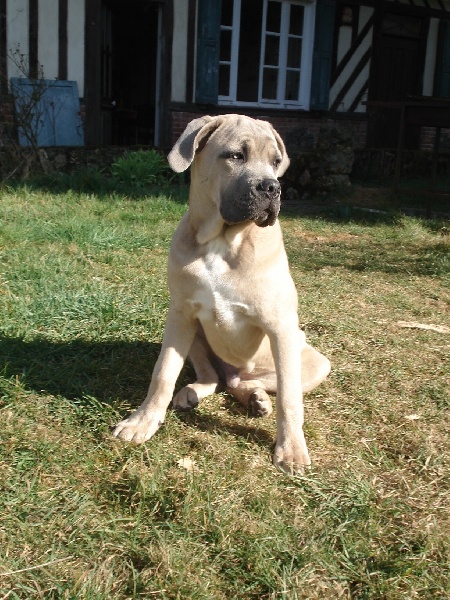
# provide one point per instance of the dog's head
(236, 162)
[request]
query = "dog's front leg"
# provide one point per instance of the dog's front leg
(143, 423)
(291, 453)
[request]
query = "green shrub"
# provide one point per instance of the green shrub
(141, 168)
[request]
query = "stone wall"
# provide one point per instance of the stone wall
(322, 162)
(327, 162)
(319, 165)
(21, 162)
(284, 122)
(7, 125)
(376, 163)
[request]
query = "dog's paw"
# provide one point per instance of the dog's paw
(292, 457)
(138, 427)
(259, 403)
(185, 399)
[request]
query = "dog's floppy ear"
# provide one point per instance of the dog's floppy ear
(285, 158)
(193, 139)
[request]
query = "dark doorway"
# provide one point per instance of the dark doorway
(129, 71)
(396, 74)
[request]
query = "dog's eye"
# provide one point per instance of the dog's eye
(277, 163)
(236, 156)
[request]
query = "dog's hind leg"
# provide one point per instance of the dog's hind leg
(252, 394)
(207, 377)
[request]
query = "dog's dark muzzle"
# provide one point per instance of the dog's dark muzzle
(260, 203)
(269, 190)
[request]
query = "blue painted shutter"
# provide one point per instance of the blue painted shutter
(49, 111)
(208, 39)
(442, 77)
(323, 54)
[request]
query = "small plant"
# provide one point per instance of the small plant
(30, 107)
(29, 90)
(141, 168)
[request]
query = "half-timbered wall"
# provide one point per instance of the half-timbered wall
(353, 53)
(59, 39)
(45, 38)
(350, 77)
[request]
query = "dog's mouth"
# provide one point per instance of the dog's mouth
(266, 215)
(259, 208)
(268, 218)
(263, 218)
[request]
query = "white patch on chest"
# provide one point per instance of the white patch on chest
(215, 265)
(217, 299)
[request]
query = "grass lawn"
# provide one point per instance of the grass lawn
(199, 512)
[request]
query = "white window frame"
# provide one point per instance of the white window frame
(306, 59)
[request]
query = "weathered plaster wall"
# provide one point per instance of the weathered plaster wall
(48, 38)
(75, 35)
(17, 17)
(179, 50)
(17, 31)
(430, 58)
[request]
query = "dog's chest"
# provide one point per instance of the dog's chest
(217, 296)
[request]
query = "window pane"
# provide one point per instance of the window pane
(292, 85)
(225, 44)
(227, 12)
(294, 53)
(296, 20)
(272, 49)
(273, 16)
(224, 80)
(270, 81)
(249, 51)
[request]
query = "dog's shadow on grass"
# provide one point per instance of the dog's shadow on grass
(204, 421)
(113, 372)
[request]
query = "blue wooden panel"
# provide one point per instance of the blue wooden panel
(208, 39)
(442, 75)
(48, 112)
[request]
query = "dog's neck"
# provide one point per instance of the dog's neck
(207, 230)
(214, 228)
(206, 223)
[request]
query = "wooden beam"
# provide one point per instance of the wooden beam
(3, 73)
(92, 72)
(62, 39)
(33, 29)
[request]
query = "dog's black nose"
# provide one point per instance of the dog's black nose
(270, 187)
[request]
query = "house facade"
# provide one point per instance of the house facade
(144, 68)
